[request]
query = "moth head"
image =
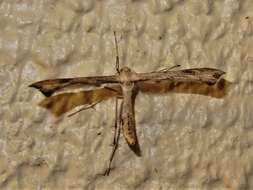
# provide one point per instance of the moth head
(126, 74)
(125, 70)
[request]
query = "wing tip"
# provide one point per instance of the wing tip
(45, 92)
(218, 74)
(222, 73)
(32, 85)
(215, 77)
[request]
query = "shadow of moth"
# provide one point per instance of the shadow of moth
(128, 80)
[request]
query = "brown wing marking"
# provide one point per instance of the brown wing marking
(49, 87)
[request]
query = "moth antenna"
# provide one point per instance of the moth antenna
(117, 52)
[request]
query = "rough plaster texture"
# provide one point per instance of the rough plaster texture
(188, 141)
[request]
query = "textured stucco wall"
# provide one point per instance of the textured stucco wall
(188, 141)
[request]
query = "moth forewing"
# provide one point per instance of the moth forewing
(50, 86)
(127, 117)
(199, 75)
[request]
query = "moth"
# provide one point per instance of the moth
(128, 80)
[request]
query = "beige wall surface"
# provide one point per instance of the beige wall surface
(193, 137)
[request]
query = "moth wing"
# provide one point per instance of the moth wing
(199, 75)
(64, 102)
(51, 86)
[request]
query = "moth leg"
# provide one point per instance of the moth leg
(117, 53)
(85, 108)
(115, 139)
(115, 123)
(167, 69)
